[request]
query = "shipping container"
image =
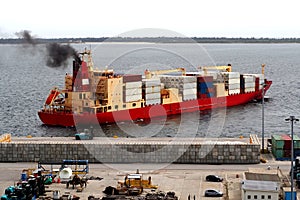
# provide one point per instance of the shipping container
(233, 81)
(190, 91)
(205, 79)
(131, 98)
(287, 193)
(152, 96)
(131, 85)
(230, 75)
(233, 86)
(250, 85)
(296, 141)
(132, 78)
(152, 89)
(278, 141)
(279, 154)
(133, 91)
(151, 82)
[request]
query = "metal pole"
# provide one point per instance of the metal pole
(263, 119)
(292, 119)
(292, 158)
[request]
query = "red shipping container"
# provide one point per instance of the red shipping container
(132, 78)
(205, 79)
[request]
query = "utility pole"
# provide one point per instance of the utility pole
(263, 111)
(263, 119)
(292, 119)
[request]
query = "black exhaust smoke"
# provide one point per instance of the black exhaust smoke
(26, 36)
(57, 55)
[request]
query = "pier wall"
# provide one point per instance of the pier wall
(128, 152)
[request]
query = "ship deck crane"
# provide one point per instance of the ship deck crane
(150, 74)
(220, 68)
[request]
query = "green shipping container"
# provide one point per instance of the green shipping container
(296, 142)
(278, 153)
(277, 142)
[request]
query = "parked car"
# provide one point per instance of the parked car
(213, 193)
(214, 178)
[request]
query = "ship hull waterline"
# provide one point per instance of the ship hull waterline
(147, 112)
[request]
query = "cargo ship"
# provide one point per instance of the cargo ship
(93, 96)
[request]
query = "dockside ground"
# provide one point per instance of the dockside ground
(183, 179)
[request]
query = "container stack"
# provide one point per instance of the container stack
(247, 83)
(151, 91)
(232, 82)
(132, 91)
(259, 79)
(186, 85)
(281, 146)
(205, 87)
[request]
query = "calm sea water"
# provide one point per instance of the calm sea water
(25, 81)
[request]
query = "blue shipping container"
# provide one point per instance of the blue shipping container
(288, 195)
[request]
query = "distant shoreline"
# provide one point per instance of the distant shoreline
(153, 40)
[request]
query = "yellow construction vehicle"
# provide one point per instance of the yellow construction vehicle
(150, 74)
(134, 184)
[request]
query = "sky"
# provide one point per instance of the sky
(191, 18)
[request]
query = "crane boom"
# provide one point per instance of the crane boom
(223, 68)
(150, 74)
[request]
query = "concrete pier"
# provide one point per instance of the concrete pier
(132, 150)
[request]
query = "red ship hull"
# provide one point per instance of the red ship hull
(148, 112)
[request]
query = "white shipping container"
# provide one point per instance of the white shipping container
(152, 89)
(189, 92)
(133, 91)
(250, 85)
(190, 85)
(179, 79)
(234, 81)
(235, 91)
(131, 98)
(152, 101)
(151, 82)
(230, 75)
(249, 89)
(234, 86)
(189, 97)
(249, 79)
(260, 76)
(152, 96)
(132, 85)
